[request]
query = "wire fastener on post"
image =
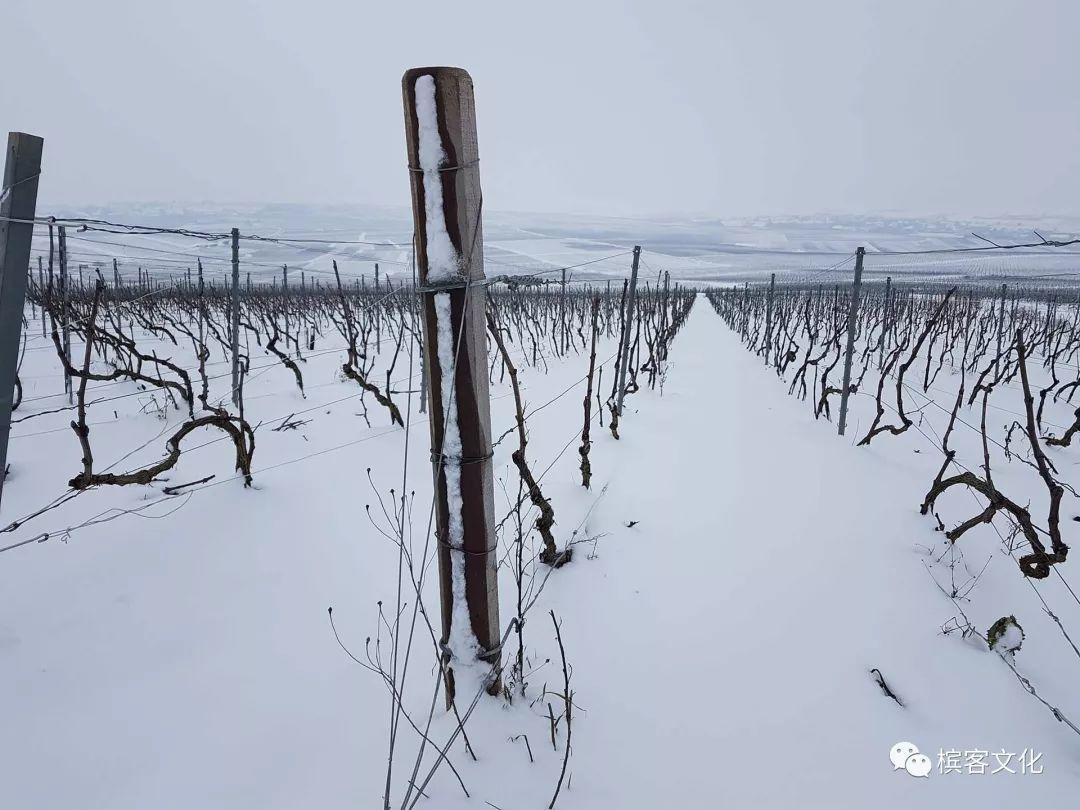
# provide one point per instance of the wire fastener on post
(442, 458)
(458, 167)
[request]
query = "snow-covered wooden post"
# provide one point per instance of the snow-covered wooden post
(852, 322)
(234, 315)
(443, 159)
(18, 206)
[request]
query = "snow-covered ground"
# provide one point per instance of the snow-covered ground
(721, 645)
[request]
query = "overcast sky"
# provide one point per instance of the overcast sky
(632, 108)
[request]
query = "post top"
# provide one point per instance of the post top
(439, 72)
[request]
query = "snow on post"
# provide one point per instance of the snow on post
(442, 258)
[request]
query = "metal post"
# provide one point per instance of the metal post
(853, 314)
(235, 313)
(443, 159)
(628, 320)
(18, 201)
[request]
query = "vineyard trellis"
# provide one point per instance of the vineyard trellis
(799, 330)
(1009, 350)
(185, 347)
(109, 323)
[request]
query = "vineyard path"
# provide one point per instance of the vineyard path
(726, 649)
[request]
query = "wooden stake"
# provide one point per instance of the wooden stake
(235, 316)
(853, 314)
(65, 328)
(1000, 329)
(768, 317)
(445, 181)
(884, 322)
(631, 298)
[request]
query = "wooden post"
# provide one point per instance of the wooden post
(443, 160)
(631, 299)
(664, 304)
(852, 321)
(61, 241)
(18, 201)
(202, 310)
(285, 295)
(1000, 327)
(884, 323)
(423, 366)
(562, 313)
(41, 288)
(235, 316)
(768, 317)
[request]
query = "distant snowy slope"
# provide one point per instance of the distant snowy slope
(701, 249)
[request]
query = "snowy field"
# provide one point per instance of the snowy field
(745, 570)
(697, 250)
